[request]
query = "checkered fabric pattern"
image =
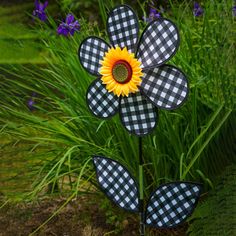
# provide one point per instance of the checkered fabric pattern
(102, 103)
(117, 183)
(171, 204)
(122, 27)
(91, 52)
(158, 43)
(165, 86)
(137, 114)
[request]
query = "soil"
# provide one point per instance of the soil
(86, 216)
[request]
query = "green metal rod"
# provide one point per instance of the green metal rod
(141, 189)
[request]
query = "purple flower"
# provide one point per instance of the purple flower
(234, 10)
(197, 9)
(69, 26)
(39, 10)
(153, 14)
(31, 102)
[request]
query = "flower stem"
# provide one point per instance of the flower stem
(141, 190)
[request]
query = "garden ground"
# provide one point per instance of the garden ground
(82, 217)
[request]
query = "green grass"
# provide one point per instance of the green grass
(18, 43)
(24, 51)
(216, 214)
(191, 143)
(16, 32)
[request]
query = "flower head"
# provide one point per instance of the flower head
(197, 9)
(121, 72)
(234, 10)
(69, 26)
(39, 10)
(132, 75)
(153, 14)
(31, 102)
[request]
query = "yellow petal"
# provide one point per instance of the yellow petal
(125, 89)
(136, 70)
(111, 86)
(136, 79)
(118, 90)
(105, 71)
(132, 86)
(106, 62)
(107, 79)
(135, 63)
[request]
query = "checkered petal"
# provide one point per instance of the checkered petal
(117, 183)
(91, 52)
(166, 86)
(137, 114)
(158, 43)
(171, 204)
(122, 27)
(102, 103)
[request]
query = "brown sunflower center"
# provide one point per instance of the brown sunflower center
(122, 71)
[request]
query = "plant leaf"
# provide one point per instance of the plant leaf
(117, 183)
(171, 204)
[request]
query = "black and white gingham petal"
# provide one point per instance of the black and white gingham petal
(166, 86)
(158, 43)
(91, 52)
(102, 103)
(171, 204)
(117, 183)
(137, 114)
(122, 27)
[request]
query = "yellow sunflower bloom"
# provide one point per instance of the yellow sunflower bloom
(121, 71)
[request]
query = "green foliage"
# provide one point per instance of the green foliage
(61, 134)
(217, 214)
(112, 218)
(75, 5)
(18, 44)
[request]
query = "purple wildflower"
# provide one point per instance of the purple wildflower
(153, 14)
(31, 102)
(197, 10)
(234, 10)
(39, 10)
(69, 26)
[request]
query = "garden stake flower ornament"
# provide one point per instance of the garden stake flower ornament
(69, 27)
(39, 10)
(134, 79)
(132, 76)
